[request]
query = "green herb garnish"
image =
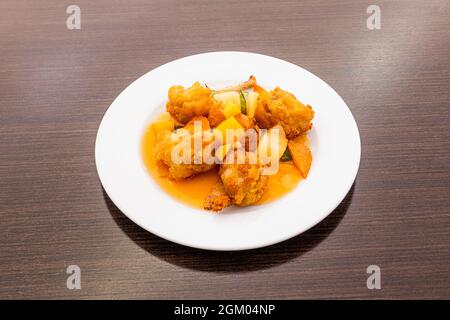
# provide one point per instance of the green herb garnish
(286, 156)
(243, 103)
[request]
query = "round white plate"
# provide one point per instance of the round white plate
(335, 145)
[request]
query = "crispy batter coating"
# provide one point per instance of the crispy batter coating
(283, 108)
(163, 153)
(245, 122)
(216, 114)
(217, 199)
(199, 120)
(184, 103)
(243, 183)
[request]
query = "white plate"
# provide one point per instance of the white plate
(335, 145)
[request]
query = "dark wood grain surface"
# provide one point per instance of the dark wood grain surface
(56, 84)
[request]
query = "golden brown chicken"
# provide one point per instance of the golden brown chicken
(217, 199)
(184, 103)
(243, 183)
(216, 115)
(283, 108)
(180, 139)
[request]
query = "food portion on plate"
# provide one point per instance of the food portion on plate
(239, 145)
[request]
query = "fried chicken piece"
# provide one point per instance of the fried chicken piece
(199, 120)
(217, 199)
(245, 122)
(283, 108)
(179, 170)
(184, 103)
(243, 183)
(216, 115)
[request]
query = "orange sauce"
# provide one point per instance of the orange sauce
(193, 191)
(285, 180)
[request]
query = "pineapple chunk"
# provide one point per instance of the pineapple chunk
(229, 96)
(230, 124)
(164, 125)
(252, 99)
(231, 109)
(301, 154)
(199, 120)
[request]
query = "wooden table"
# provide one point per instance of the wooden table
(56, 84)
